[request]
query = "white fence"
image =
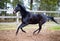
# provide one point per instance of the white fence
(46, 11)
(17, 16)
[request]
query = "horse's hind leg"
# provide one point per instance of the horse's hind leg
(35, 31)
(40, 26)
(38, 29)
(21, 26)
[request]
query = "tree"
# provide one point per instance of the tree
(48, 5)
(3, 4)
(15, 2)
(31, 4)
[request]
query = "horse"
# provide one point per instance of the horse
(29, 18)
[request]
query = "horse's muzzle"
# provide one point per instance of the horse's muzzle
(14, 12)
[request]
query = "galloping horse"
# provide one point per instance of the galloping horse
(29, 18)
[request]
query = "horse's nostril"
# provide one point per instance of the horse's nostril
(14, 12)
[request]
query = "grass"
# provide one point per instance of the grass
(7, 26)
(56, 27)
(14, 26)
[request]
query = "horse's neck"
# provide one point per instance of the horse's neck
(24, 13)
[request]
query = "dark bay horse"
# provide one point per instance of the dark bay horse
(29, 18)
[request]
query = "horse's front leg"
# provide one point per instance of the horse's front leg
(21, 26)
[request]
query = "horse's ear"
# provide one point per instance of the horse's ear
(18, 4)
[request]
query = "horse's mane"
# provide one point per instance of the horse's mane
(21, 6)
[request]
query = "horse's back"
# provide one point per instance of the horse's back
(42, 17)
(36, 18)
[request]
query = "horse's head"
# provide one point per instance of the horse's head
(19, 7)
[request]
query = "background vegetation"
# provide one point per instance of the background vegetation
(47, 5)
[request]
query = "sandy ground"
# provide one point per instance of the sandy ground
(44, 35)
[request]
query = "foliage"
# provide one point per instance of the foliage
(49, 5)
(8, 26)
(2, 3)
(16, 2)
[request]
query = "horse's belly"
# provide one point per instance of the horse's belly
(33, 22)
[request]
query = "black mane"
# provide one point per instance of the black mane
(21, 6)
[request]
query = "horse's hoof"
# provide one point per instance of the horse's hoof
(24, 31)
(16, 34)
(33, 33)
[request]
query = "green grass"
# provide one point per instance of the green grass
(8, 26)
(56, 27)
(14, 26)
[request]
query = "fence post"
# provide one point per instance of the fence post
(17, 20)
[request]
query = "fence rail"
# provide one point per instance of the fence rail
(20, 17)
(3, 9)
(46, 11)
(10, 17)
(17, 15)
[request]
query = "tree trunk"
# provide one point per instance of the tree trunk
(31, 4)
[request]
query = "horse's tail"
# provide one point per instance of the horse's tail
(52, 18)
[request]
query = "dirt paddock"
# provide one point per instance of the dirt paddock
(44, 35)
